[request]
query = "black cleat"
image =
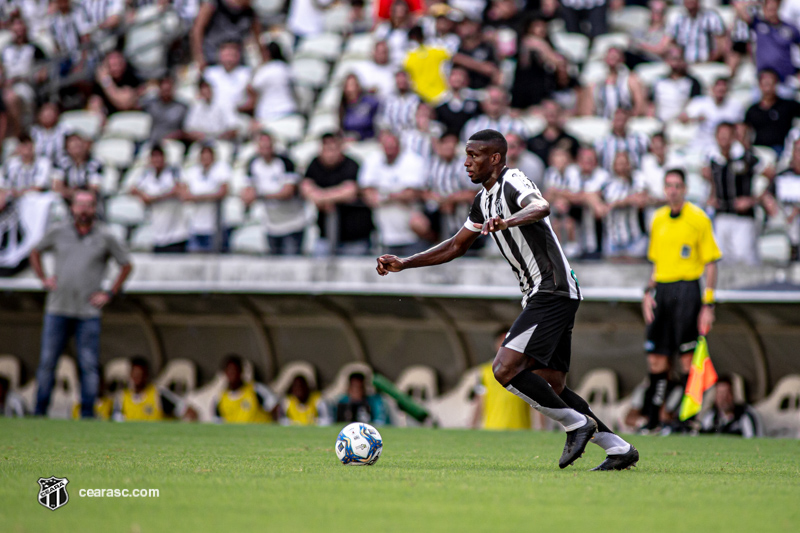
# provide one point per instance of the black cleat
(577, 439)
(621, 461)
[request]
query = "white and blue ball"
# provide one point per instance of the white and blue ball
(359, 444)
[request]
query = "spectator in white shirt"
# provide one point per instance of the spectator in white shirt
(206, 119)
(671, 93)
(711, 111)
(273, 180)
(159, 187)
(651, 175)
(395, 31)
(205, 186)
(270, 91)
(229, 79)
(25, 171)
(392, 182)
(519, 157)
(19, 59)
(377, 76)
(305, 18)
(397, 111)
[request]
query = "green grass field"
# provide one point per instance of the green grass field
(267, 478)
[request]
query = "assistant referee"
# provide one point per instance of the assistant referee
(682, 248)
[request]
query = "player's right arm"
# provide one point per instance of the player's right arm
(452, 248)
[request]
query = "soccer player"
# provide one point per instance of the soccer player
(682, 248)
(534, 359)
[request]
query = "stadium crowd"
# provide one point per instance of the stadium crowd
(337, 128)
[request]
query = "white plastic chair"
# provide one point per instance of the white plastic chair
(599, 388)
(66, 392)
(223, 150)
(587, 129)
(125, 209)
(746, 77)
(629, 18)
(303, 153)
(179, 376)
(573, 46)
(419, 382)
(117, 373)
(143, 238)
(359, 46)
(132, 125)
(86, 123)
(11, 369)
(145, 41)
(650, 73)
(322, 124)
(283, 381)
(362, 150)
(780, 411)
(114, 152)
(646, 125)
(339, 386)
(774, 247)
(708, 73)
(233, 212)
(265, 8)
(680, 134)
(535, 124)
(282, 38)
(329, 99)
(310, 72)
(287, 129)
(326, 46)
(336, 19)
(602, 44)
(455, 409)
(595, 71)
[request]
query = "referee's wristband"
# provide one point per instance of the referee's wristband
(709, 296)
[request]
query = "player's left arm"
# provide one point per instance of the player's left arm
(706, 318)
(534, 209)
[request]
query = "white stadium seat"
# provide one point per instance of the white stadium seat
(708, 73)
(66, 392)
(11, 369)
(232, 212)
(327, 46)
(454, 409)
(223, 150)
(339, 386)
(115, 152)
(535, 124)
(179, 376)
(680, 134)
(649, 73)
(775, 248)
(362, 150)
(595, 71)
(321, 124)
(359, 46)
(780, 411)
(86, 123)
(117, 373)
(337, 18)
(599, 388)
(646, 125)
(133, 125)
(283, 381)
(587, 129)
(419, 382)
(310, 72)
(266, 8)
(125, 209)
(629, 18)
(603, 43)
(142, 239)
(287, 129)
(573, 46)
(329, 99)
(303, 153)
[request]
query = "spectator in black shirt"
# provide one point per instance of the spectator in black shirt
(460, 105)
(117, 87)
(476, 56)
(728, 417)
(771, 118)
(330, 183)
(553, 135)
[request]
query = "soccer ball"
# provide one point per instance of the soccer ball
(359, 444)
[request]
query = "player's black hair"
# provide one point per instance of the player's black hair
(358, 376)
(493, 137)
(141, 362)
(678, 172)
(232, 359)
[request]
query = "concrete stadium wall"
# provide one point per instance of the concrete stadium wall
(329, 313)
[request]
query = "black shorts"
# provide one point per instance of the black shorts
(544, 331)
(674, 327)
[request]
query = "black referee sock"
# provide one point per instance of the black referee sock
(538, 393)
(654, 398)
(605, 438)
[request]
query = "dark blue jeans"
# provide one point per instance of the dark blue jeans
(291, 244)
(55, 333)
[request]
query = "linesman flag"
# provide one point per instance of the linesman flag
(701, 378)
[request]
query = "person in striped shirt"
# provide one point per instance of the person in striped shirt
(535, 356)
(495, 116)
(701, 33)
(624, 197)
(636, 144)
(621, 89)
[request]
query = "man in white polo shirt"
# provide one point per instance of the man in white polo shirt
(206, 186)
(392, 182)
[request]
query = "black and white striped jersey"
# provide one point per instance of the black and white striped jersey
(398, 111)
(89, 174)
(505, 124)
(608, 97)
(696, 35)
(18, 175)
(533, 251)
(636, 144)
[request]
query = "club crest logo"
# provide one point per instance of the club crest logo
(53, 492)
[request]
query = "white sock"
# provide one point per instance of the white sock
(613, 444)
(567, 417)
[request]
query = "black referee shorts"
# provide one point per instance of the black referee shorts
(544, 331)
(674, 327)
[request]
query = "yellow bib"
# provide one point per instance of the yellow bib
(242, 406)
(144, 406)
(501, 408)
(303, 414)
(103, 407)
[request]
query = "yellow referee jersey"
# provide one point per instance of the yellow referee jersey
(681, 247)
(425, 67)
(501, 408)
